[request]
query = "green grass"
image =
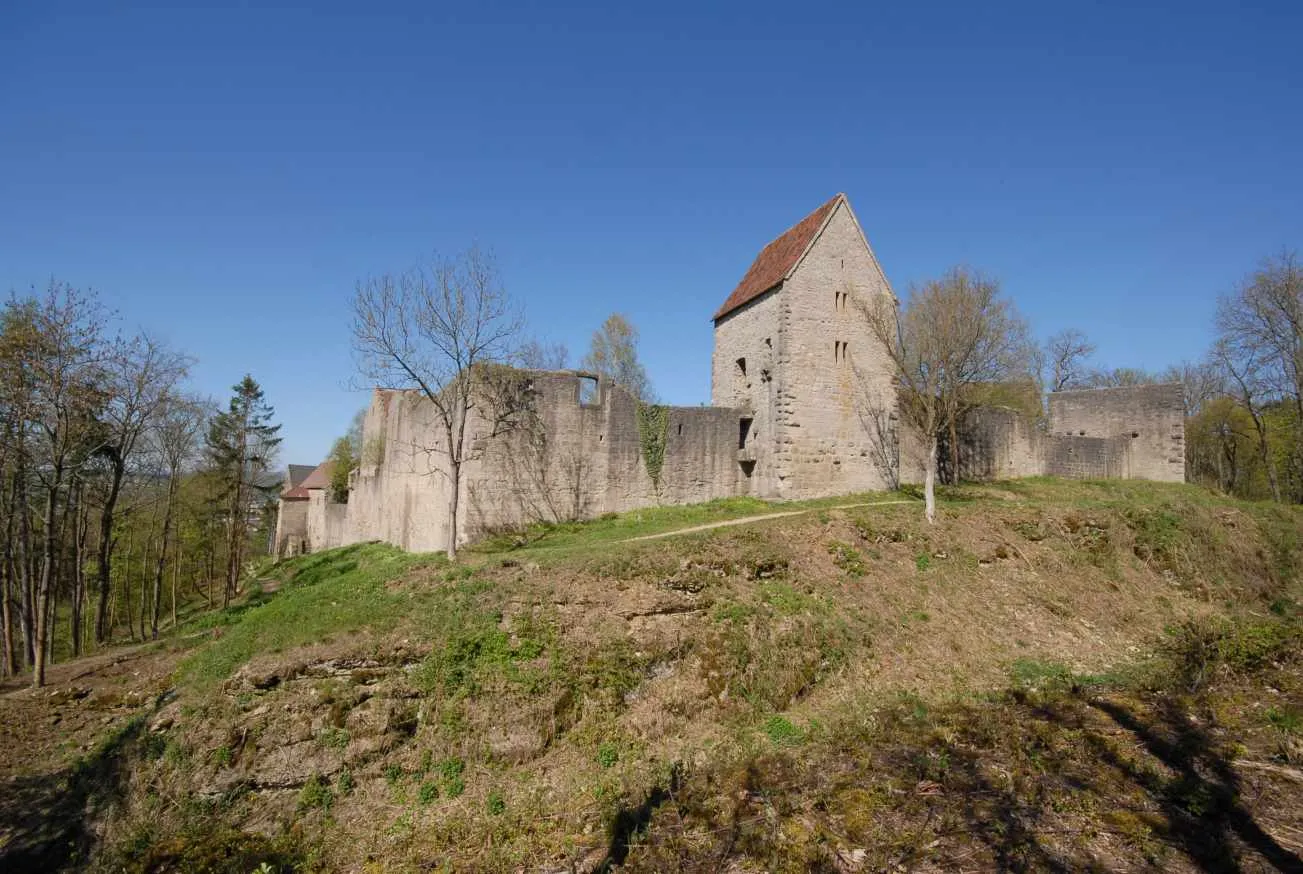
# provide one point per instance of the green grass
(542, 541)
(342, 591)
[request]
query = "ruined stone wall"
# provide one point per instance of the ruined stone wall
(835, 392)
(569, 460)
(994, 443)
(1077, 457)
(399, 492)
(291, 527)
(752, 335)
(327, 522)
(1151, 417)
(999, 443)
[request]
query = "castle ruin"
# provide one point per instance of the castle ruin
(803, 406)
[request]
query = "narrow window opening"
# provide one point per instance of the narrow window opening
(743, 430)
(742, 367)
(680, 429)
(748, 467)
(588, 390)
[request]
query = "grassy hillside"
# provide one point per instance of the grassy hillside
(1057, 674)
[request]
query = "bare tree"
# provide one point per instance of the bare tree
(66, 360)
(613, 353)
(1260, 344)
(443, 329)
(176, 434)
(955, 334)
(1248, 369)
(1065, 354)
(537, 355)
(1118, 377)
(140, 376)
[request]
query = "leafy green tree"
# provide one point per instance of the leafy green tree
(241, 448)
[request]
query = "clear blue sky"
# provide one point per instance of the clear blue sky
(223, 173)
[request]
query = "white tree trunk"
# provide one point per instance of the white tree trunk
(929, 482)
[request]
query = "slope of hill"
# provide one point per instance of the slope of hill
(1057, 675)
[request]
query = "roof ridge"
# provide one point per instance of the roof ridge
(776, 260)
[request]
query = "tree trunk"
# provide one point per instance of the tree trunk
(74, 575)
(929, 481)
(10, 661)
(25, 564)
(162, 559)
(10, 586)
(453, 500)
(954, 452)
(46, 580)
(126, 585)
(176, 573)
(104, 565)
(1264, 450)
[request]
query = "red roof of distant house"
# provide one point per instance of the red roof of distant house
(778, 258)
(318, 479)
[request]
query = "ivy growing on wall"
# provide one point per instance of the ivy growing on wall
(653, 431)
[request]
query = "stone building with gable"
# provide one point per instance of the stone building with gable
(803, 406)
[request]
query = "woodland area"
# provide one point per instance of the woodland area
(1244, 399)
(126, 500)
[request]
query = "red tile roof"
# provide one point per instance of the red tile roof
(318, 479)
(777, 259)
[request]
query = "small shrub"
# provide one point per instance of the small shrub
(922, 561)
(1034, 674)
(335, 738)
(345, 782)
(393, 773)
(607, 754)
(1288, 720)
(450, 774)
(429, 792)
(847, 558)
(496, 803)
(781, 732)
(1160, 542)
(1032, 531)
(316, 793)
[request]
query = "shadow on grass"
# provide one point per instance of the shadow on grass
(1065, 784)
(46, 818)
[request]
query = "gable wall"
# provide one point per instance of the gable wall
(833, 425)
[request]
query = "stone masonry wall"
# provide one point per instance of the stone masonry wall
(999, 443)
(1151, 417)
(1079, 457)
(751, 335)
(834, 393)
(575, 460)
(291, 527)
(327, 522)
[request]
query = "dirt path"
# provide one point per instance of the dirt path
(747, 520)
